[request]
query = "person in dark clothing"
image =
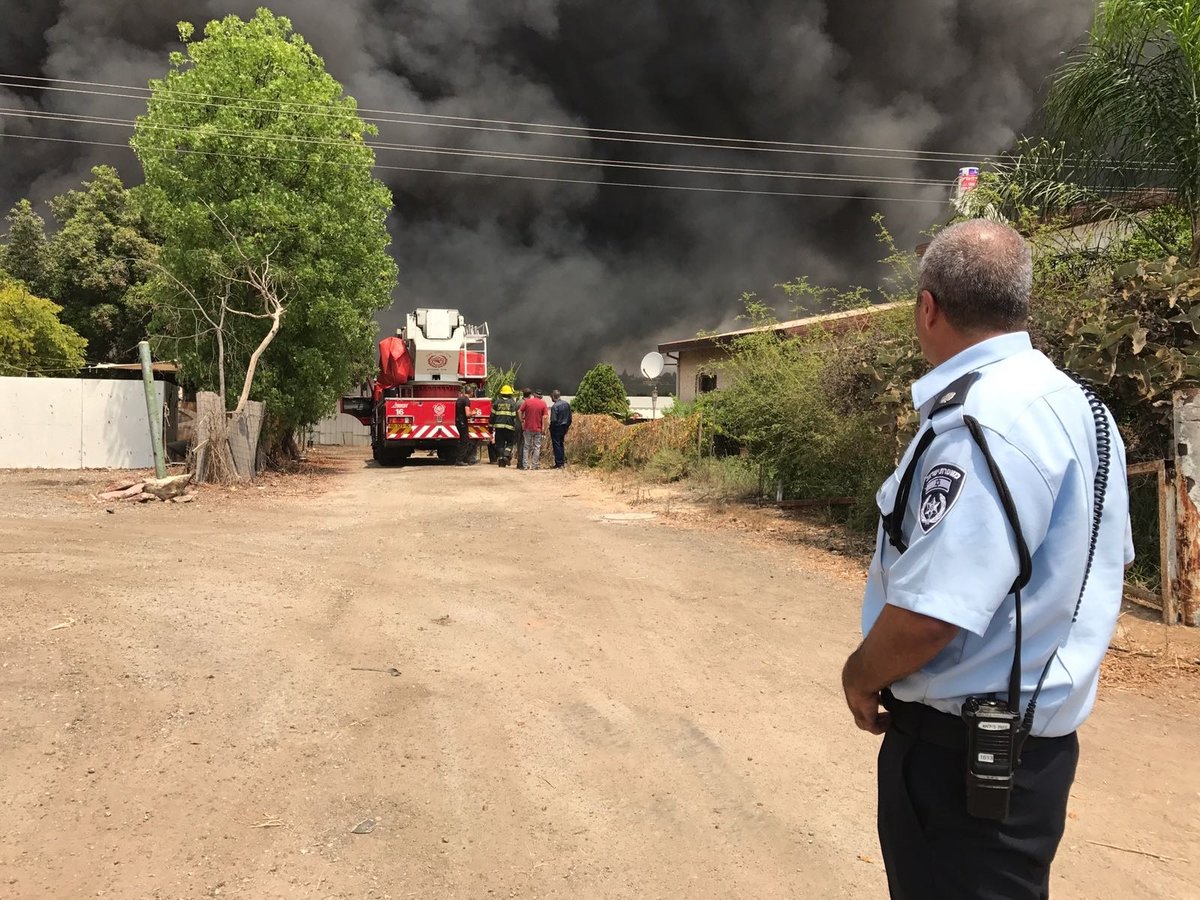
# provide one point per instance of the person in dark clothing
(560, 423)
(461, 407)
(504, 423)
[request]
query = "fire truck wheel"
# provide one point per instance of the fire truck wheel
(387, 456)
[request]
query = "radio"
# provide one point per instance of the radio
(993, 742)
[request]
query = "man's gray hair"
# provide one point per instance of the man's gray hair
(981, 274)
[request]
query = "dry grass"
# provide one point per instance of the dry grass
(603, 441)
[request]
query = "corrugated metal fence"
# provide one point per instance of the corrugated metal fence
(339, 430)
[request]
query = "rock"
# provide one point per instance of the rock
(183, 498)
(122, 485)
(126, 493)
(168, 488)
(366, 826)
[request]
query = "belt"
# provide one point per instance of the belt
(936, 727)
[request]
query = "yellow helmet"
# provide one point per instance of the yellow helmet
(506, 390)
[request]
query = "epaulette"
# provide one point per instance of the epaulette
(955, 393)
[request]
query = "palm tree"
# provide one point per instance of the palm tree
(1127, 104)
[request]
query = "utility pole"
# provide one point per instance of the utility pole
(153, 409)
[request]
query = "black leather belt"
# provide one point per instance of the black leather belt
(936, 727)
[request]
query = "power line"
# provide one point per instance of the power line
(576, 132)
(579, 132)
(492, 154)
(536, 178)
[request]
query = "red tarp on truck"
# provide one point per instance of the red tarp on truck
(395, 365)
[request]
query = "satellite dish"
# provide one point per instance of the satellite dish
(652, 365)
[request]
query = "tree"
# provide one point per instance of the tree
(32, 339)
(101, 257)
(259, 177)
(602, 393)
(1127, 105)
(26, 252)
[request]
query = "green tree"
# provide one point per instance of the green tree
(101, 257)
(25, 254)
(259, 178)
(32, 339)
(1127, 105)
(602, 393)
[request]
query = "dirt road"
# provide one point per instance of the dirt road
(585, 707)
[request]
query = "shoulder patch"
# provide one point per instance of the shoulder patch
(939, 492)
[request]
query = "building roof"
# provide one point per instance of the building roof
(839, 321)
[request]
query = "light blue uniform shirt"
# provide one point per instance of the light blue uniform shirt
(961, 561)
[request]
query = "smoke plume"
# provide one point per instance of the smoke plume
(572, 274)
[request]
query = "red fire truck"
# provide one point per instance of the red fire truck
(422, 371)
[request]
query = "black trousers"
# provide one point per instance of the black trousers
(504, 444)
(465, 445)
(558, 437)
(934, 850)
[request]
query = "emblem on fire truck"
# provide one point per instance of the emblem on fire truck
(439, 409)
(438, 360)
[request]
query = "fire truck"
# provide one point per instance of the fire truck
(422, 371)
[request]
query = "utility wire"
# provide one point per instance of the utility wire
(488, 154)
(519, 128)
(538, 178)
(535, 129)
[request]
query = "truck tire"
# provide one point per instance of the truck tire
(390, 456)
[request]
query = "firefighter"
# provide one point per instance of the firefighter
(504, 423)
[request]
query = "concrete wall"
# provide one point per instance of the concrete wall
(68, 423)
(690, 364)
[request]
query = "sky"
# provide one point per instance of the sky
(571, 274)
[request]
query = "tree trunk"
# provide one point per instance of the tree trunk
(1195, 258)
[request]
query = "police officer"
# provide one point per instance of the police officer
(939, 611)
(504, 424)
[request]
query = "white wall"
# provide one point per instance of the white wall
(69, 423)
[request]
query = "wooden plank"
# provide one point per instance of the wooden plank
(810, 504)
(1145, 468)
(1143, 597)
(1166, 545)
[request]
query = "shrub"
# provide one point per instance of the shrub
(592, 439)
(667, 465)
(726, 478)
(601, 393)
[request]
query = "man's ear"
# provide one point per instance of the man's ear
(928, 310)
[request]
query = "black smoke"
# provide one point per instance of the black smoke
(571, 274)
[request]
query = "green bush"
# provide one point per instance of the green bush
(725, 478)
(602, 393)
(667, 465)
(823, 414)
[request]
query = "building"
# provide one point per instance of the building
(696, 358)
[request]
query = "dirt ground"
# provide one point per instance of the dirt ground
(195, 700)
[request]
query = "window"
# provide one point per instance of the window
(705, 383)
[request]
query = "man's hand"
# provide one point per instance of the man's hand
(865, 707)
(900, 643)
